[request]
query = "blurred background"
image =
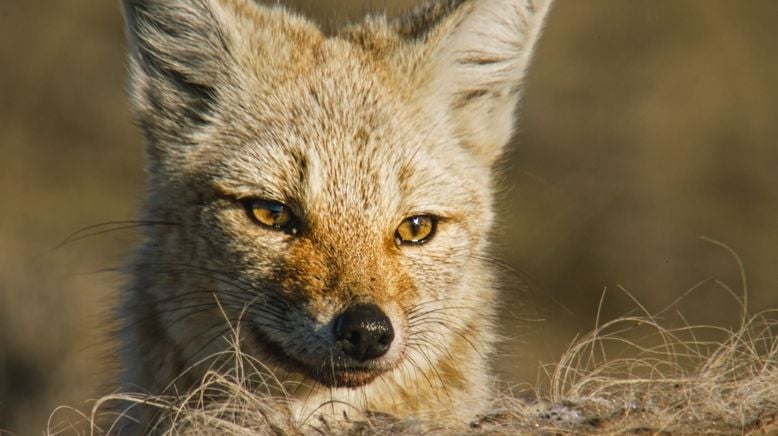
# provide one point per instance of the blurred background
(644, 125)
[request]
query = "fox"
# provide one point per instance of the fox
(329, 196)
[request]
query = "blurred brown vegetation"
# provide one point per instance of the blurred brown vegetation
(644, 125)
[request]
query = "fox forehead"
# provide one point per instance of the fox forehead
(341, 137)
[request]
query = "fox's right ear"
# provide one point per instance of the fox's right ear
(179, 53)
(189, 58)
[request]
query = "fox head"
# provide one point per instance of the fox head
(330, 195)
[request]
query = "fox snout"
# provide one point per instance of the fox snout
(351, 349)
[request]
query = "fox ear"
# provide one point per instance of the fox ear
(177, 53)
(473, 61)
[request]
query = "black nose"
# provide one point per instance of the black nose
(364, 332)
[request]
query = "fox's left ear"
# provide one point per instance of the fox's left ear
(473, 59)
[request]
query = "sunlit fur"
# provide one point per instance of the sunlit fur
(354, 133)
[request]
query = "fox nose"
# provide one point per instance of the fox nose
(364, 332)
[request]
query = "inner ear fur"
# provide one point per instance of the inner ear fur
(179, 50)
(471, 59)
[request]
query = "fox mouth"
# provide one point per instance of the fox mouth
(330, 373)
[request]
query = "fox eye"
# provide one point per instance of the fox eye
(271, 214)
(416, 230)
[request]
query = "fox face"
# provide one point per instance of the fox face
(330, 197)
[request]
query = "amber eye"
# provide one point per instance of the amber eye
(416, 230)
(271, 213)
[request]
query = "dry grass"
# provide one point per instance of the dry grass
(629, 375)
(683, 386)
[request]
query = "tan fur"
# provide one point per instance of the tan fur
(355, 132)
